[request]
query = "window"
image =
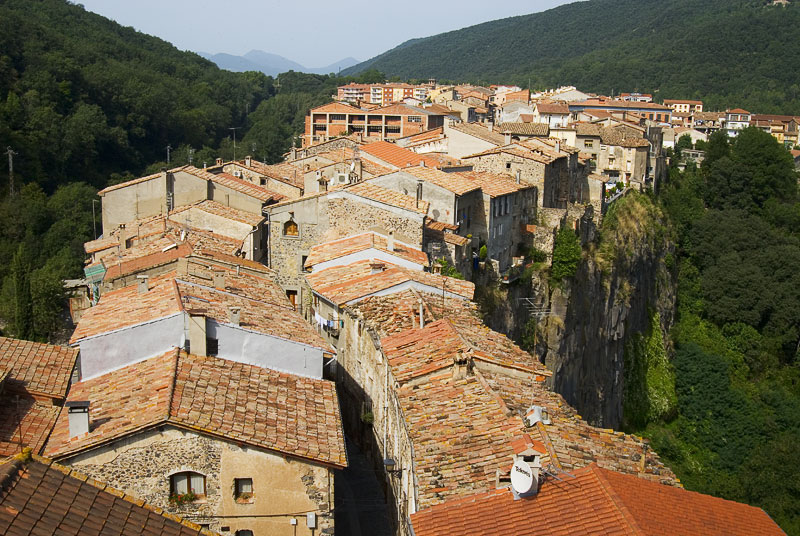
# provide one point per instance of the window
(588, 143)
(290, 228)
(212, 346)
(244, 533)
(415, 119)
(292, 295)
(263, 181)
(508, 166)
(243, 490)
(181, 484)
(303, 268)
(337, 117)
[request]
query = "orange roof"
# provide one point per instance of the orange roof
(354, 244)
(494, 184)
(372, 191)
(603, 103)
(418, 352)
(452, 182)
(346, 284)
(336, 108)
(594, 501)
(679, 101)
(25, 422)
(560, 108)
(218, 209)
(397, 156)
(738, 111)
(37, 368)
(233, 401)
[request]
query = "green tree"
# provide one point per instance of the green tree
(566, 254)
(23, 302)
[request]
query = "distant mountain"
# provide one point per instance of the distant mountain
(733, 53)
(271, 64)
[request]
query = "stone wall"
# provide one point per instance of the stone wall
(282, 487)
(350, 216)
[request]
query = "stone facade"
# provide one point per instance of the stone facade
(283, 487)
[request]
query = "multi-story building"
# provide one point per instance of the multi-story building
(736, 120)
(689, 107)
(382, 94)
(387, 122)
(657, 113)
(636, 97)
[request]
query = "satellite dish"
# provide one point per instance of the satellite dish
(522, 477)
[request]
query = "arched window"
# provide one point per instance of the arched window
(187, 481)
(290, 228)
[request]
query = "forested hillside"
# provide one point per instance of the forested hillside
(729, 53)
(736, 367)
(85, 102)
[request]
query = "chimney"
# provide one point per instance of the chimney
(422, 163)
(390, 241)
(461, 364)
(294, 153)
(419, 192)
(247, 160)
(123, 237)
(507, 137)
(421, 315)
(490, 125)
(558, 146)
(78, 418)
(183, 266)
(234, 315)
(219, 161)
(219, 279)
(376, 267)
(519, 176)
(143, 283)
(537, 414)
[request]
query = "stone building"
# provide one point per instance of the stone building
(161, 193)
(230, 446)
(620, 153)
(425, 383)
(298, 225)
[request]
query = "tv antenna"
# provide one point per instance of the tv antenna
(234, 129)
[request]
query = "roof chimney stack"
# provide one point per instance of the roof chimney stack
(421, 315)
(507, 137)
(234, 315)
(143, 283)
(419, 192)
(219, 280)
(376, 267)
(461, 364)
(78, 418)
(519, 176)
(247, 160)
(390, 241)
(219, 161)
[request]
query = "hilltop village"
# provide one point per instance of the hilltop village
(237, 322)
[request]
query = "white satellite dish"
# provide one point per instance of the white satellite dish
(522, 477)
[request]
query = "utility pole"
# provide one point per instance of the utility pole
(234, 129)
(10, 152)
(169, 148)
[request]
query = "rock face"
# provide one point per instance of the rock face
(588, 322)
(624, 277)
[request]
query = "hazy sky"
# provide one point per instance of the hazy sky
(314, 33)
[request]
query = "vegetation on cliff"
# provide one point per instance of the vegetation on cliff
(655, 47)
(736, 361)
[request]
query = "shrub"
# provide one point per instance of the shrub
(483, 252)
(566, 254)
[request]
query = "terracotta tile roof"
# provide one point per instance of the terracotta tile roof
(439, 109)
(372, 191)
(709, 116)
(595, 501)
(608, 104)
(561, 108)
(479, 131)
(526, 118)
(403, 109)
(679, 101)
(452, 182)
(242, 403)
(494, 184)
(427, 135)
(336, 108)
(519, 151)
(283, 172)
(738, 111)
(36, 368)
(441, 231)
(346, 284)
(610, 135)
(125, 307)
(419, 352)
(130, 182)
(354, 244)
(524, 129)
(440, 226)
(263, 305)
(116, 268)
(38, 496)
(218, 209)
(395, 155)
(25, 422)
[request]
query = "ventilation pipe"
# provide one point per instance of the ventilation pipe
(419, 193)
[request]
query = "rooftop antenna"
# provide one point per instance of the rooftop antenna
(234, 129)
(10, 152)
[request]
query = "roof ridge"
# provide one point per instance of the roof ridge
(616, 500)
